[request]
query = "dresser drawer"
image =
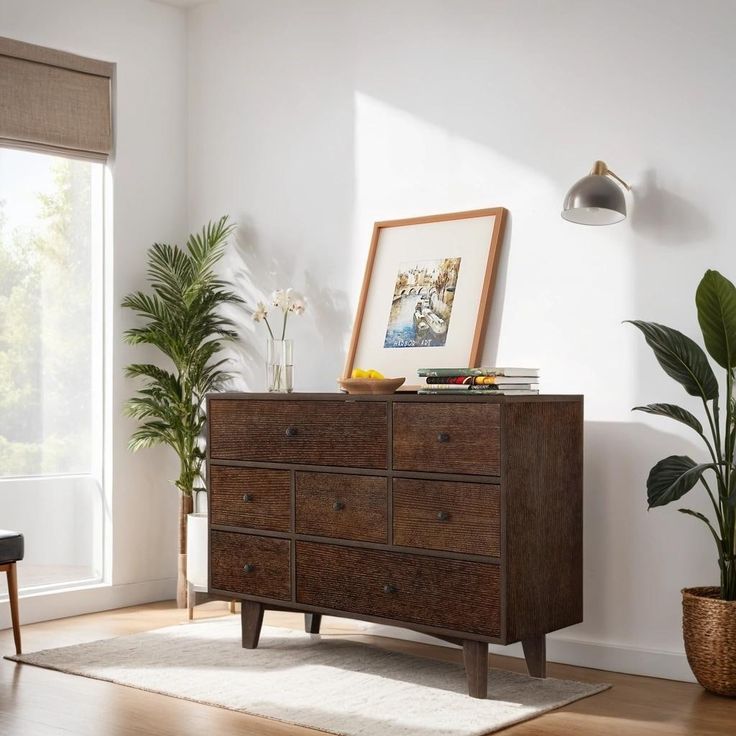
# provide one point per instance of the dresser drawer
(341, 433)
(250, 497)
(447, 438)
(342, 506)
(456, 517)
(250, 565)
(449, 594)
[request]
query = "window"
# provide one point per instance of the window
(51, 364)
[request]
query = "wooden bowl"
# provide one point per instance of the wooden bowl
(370, 385)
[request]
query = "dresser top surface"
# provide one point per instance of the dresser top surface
(473, 397)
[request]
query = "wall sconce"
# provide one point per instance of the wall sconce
(596, 199)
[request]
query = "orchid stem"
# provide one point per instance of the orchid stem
(270, 331)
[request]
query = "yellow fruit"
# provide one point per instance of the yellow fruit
(374, 374)
(359, 373)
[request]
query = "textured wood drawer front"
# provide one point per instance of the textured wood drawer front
(250, 497)
(458, 517)
(447, 438)
(450, 594)
(341, 433)
(251, 565)
(342, 506)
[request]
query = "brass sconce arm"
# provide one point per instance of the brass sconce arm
(601, 169)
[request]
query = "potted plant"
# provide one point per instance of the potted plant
(709, 613)
(182, 320)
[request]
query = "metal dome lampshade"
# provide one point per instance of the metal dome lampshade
(596, 199)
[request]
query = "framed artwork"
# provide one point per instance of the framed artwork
(426, 292)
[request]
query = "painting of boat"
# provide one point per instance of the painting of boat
(420, 321)
(437, 326)
(421, 303)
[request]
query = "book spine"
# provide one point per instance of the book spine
(457, 392)
(461, 392)
(469, 380)
(507, 387)
(517, 392)
(440, 372)
(452, 380)
(449, 386)
(445, 372)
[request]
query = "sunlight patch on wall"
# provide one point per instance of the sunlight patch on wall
(562, 289)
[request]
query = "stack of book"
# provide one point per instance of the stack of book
(490, 381)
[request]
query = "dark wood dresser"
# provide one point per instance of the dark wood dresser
(458, 516)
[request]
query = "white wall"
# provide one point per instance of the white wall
(147, 41)
(310, 120)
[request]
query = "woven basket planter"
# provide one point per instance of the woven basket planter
(709, 630)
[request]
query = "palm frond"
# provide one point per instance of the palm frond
(181, 318)
(145, 305)
(169, 271)
(149, 435)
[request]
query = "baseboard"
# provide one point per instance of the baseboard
(616, 658)
(47, 606)
(596, 655)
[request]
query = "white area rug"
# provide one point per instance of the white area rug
(322, 682)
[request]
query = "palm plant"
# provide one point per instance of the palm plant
(182, 319)
(686, 362)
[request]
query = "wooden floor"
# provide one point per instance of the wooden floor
(37, 702)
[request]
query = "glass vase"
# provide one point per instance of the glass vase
(280, 366)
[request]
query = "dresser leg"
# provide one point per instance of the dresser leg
(535, 653)
(475, 656)
(312, 622)
(251, 620)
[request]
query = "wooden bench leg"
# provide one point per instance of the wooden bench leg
(191, 601)
(251, 620)
(475, 657)
(312, 622)
(13, 597)
(535, 653)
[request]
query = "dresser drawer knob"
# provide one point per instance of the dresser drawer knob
(443, 516)
(292, 431)
(248, 567)
(443, 437)
(388, 588)
(338, 506)
(248, 497)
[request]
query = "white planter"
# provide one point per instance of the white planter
(197, 550)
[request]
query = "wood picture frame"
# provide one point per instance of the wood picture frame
(485, 227)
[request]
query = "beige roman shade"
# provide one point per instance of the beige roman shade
(54, 101)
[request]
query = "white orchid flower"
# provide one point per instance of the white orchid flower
(288, 301)
(280, 299)
(297, 303)
(260, 313)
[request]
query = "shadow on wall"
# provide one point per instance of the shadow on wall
(244, 265)
(666, 217)
(618, 457)
(332, 316)
(255, 271)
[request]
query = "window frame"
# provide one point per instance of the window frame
(100, 352)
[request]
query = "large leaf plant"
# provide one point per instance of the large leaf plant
(685, 361)
(182, 319)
